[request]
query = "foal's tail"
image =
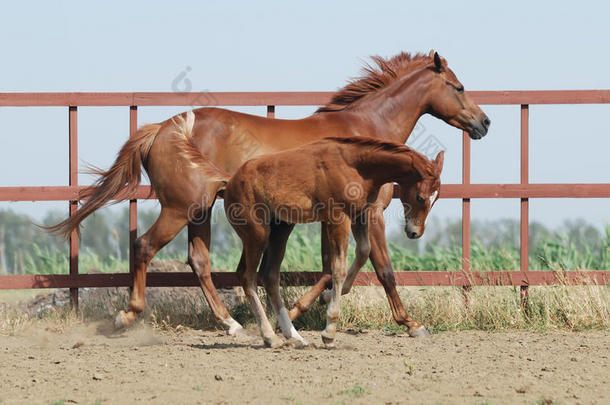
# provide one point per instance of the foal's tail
(124, 173)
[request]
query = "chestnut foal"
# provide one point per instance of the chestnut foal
(335, 181)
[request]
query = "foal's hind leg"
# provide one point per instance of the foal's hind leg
(164, 230)
(253, 246)
(199, 260)
(338, 235)
(363, 249)
(270, 272)
(307, 300)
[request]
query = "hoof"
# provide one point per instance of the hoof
(121, 321)
(420, 332)
(329, 343)
(234, 328)
(237, 332)
(273, 342)
(297, 343)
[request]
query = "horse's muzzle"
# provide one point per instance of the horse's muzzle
(478, 129)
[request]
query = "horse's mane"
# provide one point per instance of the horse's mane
(421, 163)
(375, 78)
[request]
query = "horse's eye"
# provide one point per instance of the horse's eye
(419, 199)
(460, 89)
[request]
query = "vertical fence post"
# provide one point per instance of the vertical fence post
(73, 182)
(524, 254)
(133, 204)
(270, 111)
(466, 267)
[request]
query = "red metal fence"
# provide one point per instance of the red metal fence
(464, 191)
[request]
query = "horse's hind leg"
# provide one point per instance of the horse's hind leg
(199, 259)
(166, 227)
(307, 300)
(270, 272)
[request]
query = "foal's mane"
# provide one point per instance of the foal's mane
(375, 78)
(420, 162)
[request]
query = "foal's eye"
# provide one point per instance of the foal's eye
(419, 198)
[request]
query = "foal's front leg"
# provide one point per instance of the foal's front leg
(360, 231)
(338, 235)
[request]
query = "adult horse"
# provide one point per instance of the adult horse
(384, 103)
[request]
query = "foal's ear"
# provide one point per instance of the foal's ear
(438, 62)
(438, 162)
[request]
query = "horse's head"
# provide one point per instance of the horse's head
(418, 198)
(448, 101)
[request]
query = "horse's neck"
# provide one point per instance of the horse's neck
(394, 111)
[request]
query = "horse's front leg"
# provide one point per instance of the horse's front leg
(338, 236)
(383, 267)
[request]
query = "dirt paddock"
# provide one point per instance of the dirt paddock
(84, 364)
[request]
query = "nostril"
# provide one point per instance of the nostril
(412, 235)
(486, 122)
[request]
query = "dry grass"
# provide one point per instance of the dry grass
(561, 307)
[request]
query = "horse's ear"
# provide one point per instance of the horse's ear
(431, 53)
(438, 63)
(222, 186)
(438, 162)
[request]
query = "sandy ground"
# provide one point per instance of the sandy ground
(85, 364)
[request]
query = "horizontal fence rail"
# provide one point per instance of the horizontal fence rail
(465, 191)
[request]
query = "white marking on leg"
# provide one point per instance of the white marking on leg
(231, 326)
(287, 327)
(264, 327)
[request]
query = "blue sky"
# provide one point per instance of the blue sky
(284, 46)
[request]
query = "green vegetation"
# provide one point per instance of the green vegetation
(24, 248)
(355, 392)
(495, 247)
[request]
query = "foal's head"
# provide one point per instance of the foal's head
(418, 194)
(448, 101)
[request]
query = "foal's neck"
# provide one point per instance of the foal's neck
(382, 166)
(394, 111)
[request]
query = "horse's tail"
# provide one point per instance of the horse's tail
(124, 173)
(183, 140)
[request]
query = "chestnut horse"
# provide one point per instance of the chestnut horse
(335, 181)
(384, 103)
